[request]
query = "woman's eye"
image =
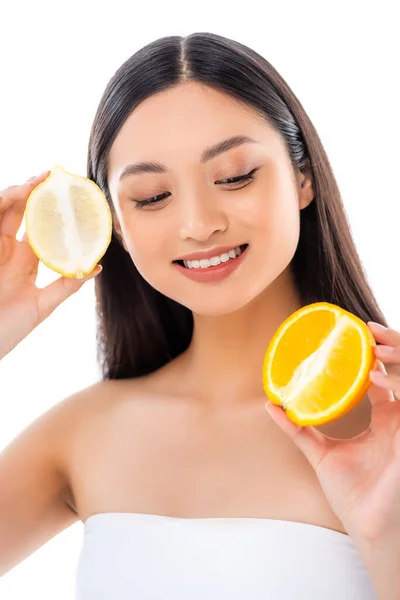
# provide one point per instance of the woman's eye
(154, 200)
(157, 201)
(238, 179)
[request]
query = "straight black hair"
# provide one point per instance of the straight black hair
(140, 329)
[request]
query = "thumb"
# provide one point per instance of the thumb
(311, 442)
(54, 294)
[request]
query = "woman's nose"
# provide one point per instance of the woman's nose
(200, 220)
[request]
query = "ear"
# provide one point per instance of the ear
(306, 190)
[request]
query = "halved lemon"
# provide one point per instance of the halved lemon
(68, 223)
(317, 364)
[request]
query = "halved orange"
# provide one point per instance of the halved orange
(317, 364)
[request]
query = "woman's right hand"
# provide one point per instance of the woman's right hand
(22, 305)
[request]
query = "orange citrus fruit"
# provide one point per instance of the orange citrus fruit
(317, 363)
(68, 223)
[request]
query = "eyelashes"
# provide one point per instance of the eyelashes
(231, 181)
(239, 179)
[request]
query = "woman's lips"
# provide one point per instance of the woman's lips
(213, 274)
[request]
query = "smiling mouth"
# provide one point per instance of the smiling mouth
(213, 262)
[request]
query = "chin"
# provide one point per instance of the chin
(217, 304)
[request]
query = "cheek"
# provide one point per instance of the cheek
(280, 219)
(275, 211)
(267, 215)
(148, 244)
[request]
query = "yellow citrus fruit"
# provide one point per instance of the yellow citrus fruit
(317, 363)
(68, 223)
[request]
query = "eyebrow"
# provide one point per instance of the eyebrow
(208, 154)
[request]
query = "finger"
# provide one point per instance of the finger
(32, 179)
(384, 335)
(26, 255)
(15, 193)
(13, 203)
(311, 442)
(54, 294)
(388, 384)
(388, 354)
(377, 394)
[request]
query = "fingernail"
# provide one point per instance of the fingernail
(384, 350)
(93, 274)
(34, 178)
(378, 375)
(97, 270)
(377, 326)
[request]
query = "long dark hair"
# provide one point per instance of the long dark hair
(140, 329)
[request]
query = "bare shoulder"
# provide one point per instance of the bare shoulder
(33, 482)
(113, 421)
(106, 401)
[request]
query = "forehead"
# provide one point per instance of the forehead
(178, 123)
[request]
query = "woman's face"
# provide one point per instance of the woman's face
(194, 210)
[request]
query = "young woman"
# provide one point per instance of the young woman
(227, 218)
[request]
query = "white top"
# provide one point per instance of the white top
(146, 557)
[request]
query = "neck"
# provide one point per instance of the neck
(225, 357)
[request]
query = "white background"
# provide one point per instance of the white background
(340, 59)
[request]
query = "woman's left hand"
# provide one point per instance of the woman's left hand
(361, 476)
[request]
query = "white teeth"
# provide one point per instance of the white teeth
(204, 263)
